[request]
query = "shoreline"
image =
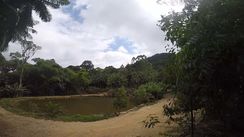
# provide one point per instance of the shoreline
(104, 94)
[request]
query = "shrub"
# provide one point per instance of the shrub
(151, 121)
(121, 100)
(52, 109)
(148, 92)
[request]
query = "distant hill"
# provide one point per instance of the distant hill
(159, 60)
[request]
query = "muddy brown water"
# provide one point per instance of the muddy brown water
(76, 105)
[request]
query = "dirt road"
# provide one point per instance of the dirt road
(125, 125)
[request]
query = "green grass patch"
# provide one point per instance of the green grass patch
(12, 105)
(82, 118)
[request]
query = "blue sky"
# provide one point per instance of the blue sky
(120, 42)
(74, 12)
(107, 32)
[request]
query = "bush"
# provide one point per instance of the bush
(121, 99)
(149, 92)
(51, 109)
(151, 121)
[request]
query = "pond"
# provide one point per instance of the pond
(75, 105)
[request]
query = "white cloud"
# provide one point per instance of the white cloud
(122, 49)
(70, 42)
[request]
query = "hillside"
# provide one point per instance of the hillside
(159, 60)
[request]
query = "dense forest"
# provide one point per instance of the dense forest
(203, 70)
(46, 77)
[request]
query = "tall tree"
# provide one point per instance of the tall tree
(45, 77)
(87, 65)
(28, 50)
(138, 58)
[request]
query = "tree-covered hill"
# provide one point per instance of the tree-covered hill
(159, 60)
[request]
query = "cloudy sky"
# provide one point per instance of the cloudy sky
(108, 32)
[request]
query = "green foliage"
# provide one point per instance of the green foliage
(85, 79)
(138, 58)
(139, 73)
(12, 91)
(28, 50)
(116, 80)
(2, 59)
(46, 77)
(16, 21)
(80, 80)
(148, 92)
(159, 61)
(121, 99)
(51, 109)
(207, 71)
(99, 78)
(8, 90)
(87, 65)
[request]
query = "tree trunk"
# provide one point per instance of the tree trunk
(20, 81)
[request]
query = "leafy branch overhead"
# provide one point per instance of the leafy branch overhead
(16, 18)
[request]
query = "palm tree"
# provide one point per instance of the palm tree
(16, 20)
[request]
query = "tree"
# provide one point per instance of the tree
(16, 20)
(87, 65)
(49, 77)
(138, 58)
(83, 78)
(208, 69)
(140, 72)
(8, 78)
(121, 99)
(99, 78)
(74, 68)
(28, 50)
(148, 92)
(8, 73)
(116, 80)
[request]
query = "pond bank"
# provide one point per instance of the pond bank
(68, 96)
(125, 125)
(83, 108)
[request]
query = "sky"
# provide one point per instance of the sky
(107, 32)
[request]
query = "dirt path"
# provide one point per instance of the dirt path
(126, 125)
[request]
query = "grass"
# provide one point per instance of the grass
(13, 105)
(82, 118)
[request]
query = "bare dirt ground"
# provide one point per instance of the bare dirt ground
(126, 125)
